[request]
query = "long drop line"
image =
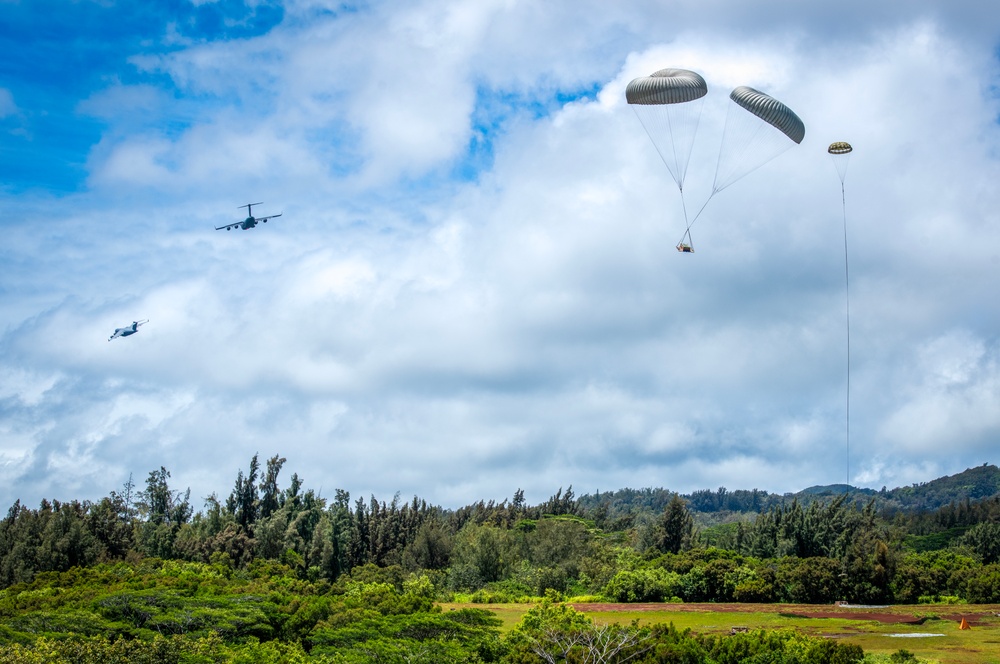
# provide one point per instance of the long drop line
(847, 289)
(840, 151)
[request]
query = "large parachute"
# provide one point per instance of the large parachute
(668, 104)
(754, 137)
(758, 129)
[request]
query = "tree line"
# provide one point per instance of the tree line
(631, 545)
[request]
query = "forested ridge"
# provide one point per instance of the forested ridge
(276, 566)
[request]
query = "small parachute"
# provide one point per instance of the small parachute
(840, 152)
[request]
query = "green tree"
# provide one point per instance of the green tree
(653, 584)
(158, 504)
(270, 494)
(66, 542)
(554, 632)
(431, 548)
(164, 511)
(244, 503)
(110, 522)
(814, 580)
(675, 528)
(984, 540)
(984, 587)
(487, 551)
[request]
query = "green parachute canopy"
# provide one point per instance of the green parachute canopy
(840, 147)
(840, 152)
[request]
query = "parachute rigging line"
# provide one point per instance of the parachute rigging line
(715, 188)
(840, 152)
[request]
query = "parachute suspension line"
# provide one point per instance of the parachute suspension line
(684, 207)
(681, 172)
(686, 245)
(760, 140)
(687, 116)
(715, 190)
(687, 230)
(736, 142)
(738, 135)
(682, 245)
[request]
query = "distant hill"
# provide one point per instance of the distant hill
(834, 490)
(972, 484)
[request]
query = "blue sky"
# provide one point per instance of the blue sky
(59, 53)
(473, 286)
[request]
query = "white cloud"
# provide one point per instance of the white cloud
(947, 397)
(532, 326)
(7, 105)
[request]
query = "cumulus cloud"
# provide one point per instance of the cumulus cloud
(7, 105)
(947, 394)
(406, 326)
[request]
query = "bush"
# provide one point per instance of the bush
(754, 590)
(903, 657)
(984, 588)
(809, 580)
(464, 576)
(502, 592)
(940, 599)
(644, 585)
(586, 599)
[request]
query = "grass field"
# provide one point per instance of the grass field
(877, 630)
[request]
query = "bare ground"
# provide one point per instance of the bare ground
(909, 615)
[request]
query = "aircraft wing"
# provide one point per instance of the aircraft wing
(268, 217)
(228, 226)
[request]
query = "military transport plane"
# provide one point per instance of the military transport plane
(250, 221)
(126, 331)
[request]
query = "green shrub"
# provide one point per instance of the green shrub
(940, 599)
(644, 585)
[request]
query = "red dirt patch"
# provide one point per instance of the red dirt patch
(798, 610)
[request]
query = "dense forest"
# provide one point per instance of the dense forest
(275, 568)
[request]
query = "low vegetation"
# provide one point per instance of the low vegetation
(280, 574)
